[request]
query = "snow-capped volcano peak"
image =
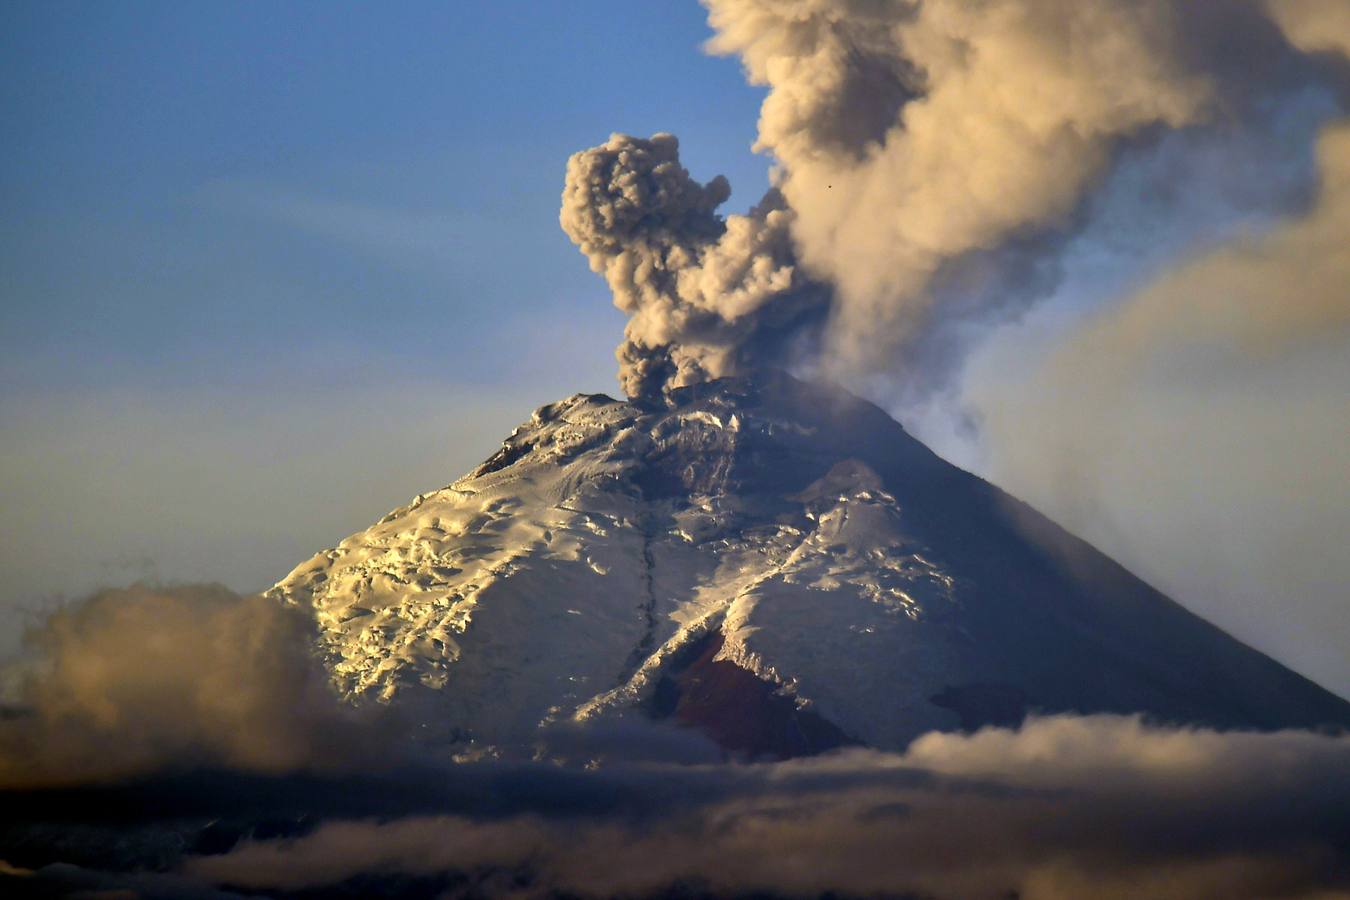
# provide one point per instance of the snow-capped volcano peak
(776, 562)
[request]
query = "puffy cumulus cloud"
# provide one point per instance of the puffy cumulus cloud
(1111, 752)
(1064, 807)
(706, 294)
(135, 680)
(1197, 427)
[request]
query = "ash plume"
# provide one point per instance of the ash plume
(930, 158)
(707, 294)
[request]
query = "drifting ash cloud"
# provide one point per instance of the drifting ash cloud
(931, 158)
(178, 743)
(1195, 425)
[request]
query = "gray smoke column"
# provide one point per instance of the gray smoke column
(707, 295)
(930, 158)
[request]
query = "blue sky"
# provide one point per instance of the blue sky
(186, 185)
(268, 270)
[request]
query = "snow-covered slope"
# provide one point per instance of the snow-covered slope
(756, 550)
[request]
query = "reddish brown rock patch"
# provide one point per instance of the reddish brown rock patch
(740, 711)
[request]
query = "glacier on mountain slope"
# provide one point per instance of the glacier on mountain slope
(569, 590)
(832, 555)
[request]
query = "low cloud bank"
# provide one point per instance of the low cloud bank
(185, 741)
(142, 679)
(1065, 807)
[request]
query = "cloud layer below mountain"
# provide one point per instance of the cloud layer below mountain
(131, 695)
(1065, 807)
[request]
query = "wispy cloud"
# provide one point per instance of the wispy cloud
(418, 239)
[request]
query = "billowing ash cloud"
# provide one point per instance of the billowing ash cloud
(930, 158)
(707, 295)
(914, 134)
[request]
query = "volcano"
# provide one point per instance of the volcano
(775, 563)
